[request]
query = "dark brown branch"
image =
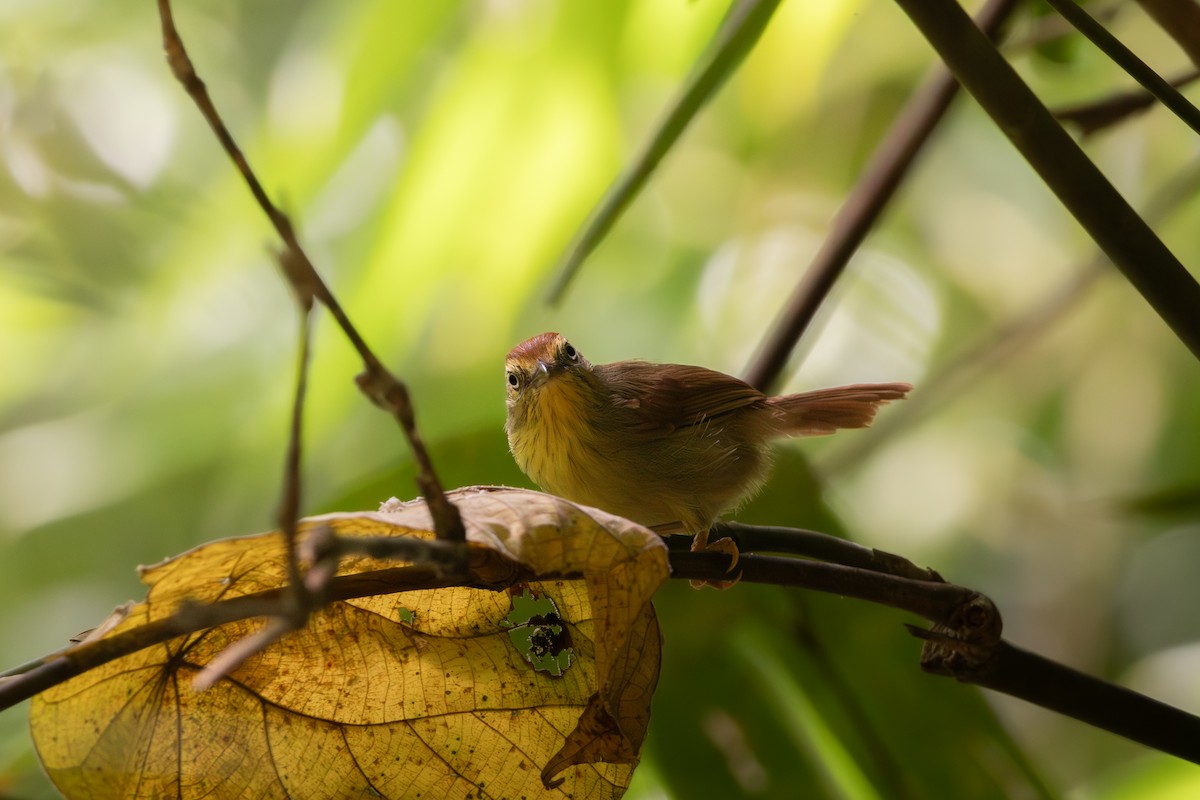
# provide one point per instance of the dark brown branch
(289, 505)
(1038, 680)
(1123, 57)
(1096, 116)
(814, 544)
(1179, 19)
(383, 388)
(967, 646)
(932, 600)
(1144, 260)
(964, 642)
(887, 168)
(54, 669)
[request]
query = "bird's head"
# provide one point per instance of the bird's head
(544, 375)
(538, 360)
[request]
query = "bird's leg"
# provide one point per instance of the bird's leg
(723, 545)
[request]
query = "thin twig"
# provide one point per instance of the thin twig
(289, 505)
(233, 656)
(1098, 115)
(383, 388)
(887, 168)
(299, 599)
(1124, 58)
(1048, 29)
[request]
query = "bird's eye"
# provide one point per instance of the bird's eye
(570, 352)
(513, 380)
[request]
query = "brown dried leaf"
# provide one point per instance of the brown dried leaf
(412, 694)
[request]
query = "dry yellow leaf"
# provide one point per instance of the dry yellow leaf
(413, 694)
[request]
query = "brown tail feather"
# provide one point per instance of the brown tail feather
(826, 410)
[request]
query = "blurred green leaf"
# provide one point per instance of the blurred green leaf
(435, 159)
(741, 28)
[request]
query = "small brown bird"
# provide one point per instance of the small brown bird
(667, 445)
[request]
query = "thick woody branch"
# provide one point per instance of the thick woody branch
(964, 641)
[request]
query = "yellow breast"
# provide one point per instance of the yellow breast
(553, 443)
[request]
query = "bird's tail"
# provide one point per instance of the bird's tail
(826, 410)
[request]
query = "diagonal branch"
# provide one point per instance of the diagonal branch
(383, 388)
(863, 207)
(988, 352)
(1106, 216)
(1179, 19)
(1038, 680)
(739, 31)
(289, 505)
(1124, 58)
(1100, 114)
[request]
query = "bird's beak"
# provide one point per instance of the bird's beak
(542, 373)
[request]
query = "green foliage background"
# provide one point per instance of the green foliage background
(437, 158)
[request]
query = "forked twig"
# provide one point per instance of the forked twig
(383, 388)
(300, 598)
(964, 642)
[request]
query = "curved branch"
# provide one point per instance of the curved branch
(964, 642)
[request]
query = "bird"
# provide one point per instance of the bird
(669, 446)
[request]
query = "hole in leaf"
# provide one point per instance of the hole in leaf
(538, 632)
(407, 615)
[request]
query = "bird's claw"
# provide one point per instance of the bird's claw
(724, 545)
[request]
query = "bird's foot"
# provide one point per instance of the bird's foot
(724, 545)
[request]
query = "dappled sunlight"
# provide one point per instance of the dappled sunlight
(782, 79)
(436, 160)
(305, 97)
(1169, 674)
(922, 491)
(60, 468)
(123, 114)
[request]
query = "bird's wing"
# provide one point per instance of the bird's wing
(658, 399)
